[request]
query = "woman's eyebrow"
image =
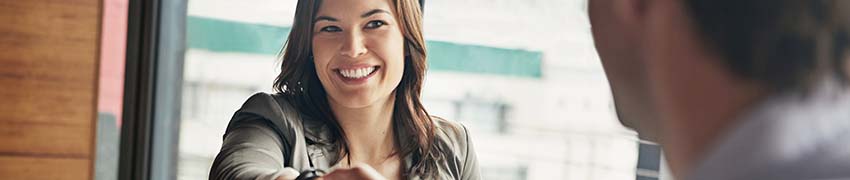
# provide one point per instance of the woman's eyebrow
(325, 18)
(373, 12)
(367, 14)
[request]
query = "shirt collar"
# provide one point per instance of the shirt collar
(316, 130)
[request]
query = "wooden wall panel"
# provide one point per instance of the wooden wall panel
(44, 168)
(48, 74)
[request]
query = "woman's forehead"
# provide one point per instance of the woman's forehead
(352, 9)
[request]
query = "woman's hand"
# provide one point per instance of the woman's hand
(356, 172)
(288, 174)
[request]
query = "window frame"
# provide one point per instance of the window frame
(152, 87)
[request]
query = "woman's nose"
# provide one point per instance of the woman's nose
(354, 45)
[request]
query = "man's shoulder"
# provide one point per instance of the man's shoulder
(788, 136)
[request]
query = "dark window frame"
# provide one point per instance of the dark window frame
(153, 82)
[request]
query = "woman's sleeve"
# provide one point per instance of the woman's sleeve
(251, 150)
(471, 171)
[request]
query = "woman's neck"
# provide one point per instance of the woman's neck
(368, 130)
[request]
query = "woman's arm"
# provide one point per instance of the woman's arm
(251, 150)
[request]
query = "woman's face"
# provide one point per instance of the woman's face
(358, 50)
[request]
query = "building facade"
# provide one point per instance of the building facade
(523, 76)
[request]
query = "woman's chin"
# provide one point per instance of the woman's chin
(356, 102)
(359, 97)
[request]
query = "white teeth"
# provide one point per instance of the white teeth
(356, 73)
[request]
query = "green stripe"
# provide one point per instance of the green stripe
(230, 36)
(481, 59)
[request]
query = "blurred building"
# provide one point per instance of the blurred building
(522, 75)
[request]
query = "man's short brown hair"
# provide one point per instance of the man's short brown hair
(785, 44)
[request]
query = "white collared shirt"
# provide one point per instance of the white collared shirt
(788, 136)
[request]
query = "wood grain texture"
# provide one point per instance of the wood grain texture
(48, 74)
(46, 168)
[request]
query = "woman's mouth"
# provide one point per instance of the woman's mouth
(357, 75)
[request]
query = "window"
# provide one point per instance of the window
(649, 161)
(522, 75)
(151, 89)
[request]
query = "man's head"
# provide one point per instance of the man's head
(785, 44)
(681, 68)
(778, 44)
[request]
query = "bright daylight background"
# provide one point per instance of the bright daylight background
(522, 75)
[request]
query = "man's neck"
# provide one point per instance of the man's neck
(698, 112)
(368, 130)
(698, 97)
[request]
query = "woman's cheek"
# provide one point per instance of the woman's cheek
(397, 72)
(320, 59)
(321, 65)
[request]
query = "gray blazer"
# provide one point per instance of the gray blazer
(268, 134)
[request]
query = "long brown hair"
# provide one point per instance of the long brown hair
(298, 80)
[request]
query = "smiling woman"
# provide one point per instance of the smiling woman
(348, 99)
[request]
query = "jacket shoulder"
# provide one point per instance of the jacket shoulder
(453, 130)
(274, 109)
(453, 134)
(454, 137)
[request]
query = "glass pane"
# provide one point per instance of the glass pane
(530, 80)
(231, 54)
(522, 75)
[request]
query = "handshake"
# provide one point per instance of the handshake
(356, 172)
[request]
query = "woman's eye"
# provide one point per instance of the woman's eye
(375, 24)
(330, 29)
